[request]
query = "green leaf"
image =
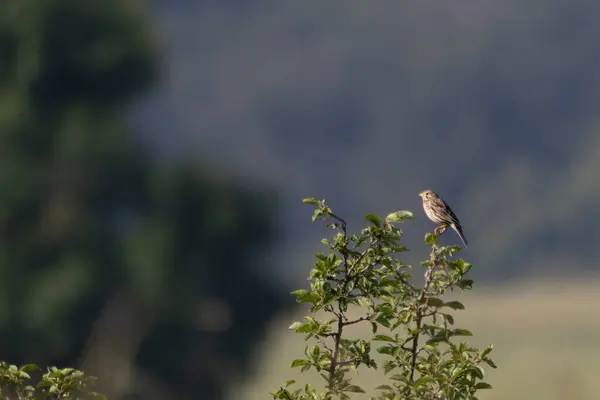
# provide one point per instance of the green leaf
(430, 239)
(298, 362)
(30, 368)
(374, 219)
(315, 351)
(305, 296)
(385, 350)
(290, 382)
(465, 284)
(423, 380)
(308, 388)
(283, 394)
(461, 332)
(431, 349)
(483, 385)
(354, 389)
(316, 214)
(448, 318)
(398, 377)
(388, 366)
(24, 374)
(383, 320)
(383, 338)
(399, 216)
(310, 200)
(455, 305)
(384, 387)
(479, 372)
(487, 350)
(295, 325)
(386, 309)
(45, 382)
(463, 266)
(434, 302)
(299, 292)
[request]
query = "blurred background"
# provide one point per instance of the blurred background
(154, 153)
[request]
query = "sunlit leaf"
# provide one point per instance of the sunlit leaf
(310, 200)
(298, 362)
(399, 216)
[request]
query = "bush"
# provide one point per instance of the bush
(67, 383)
(412, 325)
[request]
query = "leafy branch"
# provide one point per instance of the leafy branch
(412, 323)
(55, 383)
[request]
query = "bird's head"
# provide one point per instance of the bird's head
(427, 194)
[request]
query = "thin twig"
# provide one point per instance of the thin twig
(337, 336)
(336, 349)
(356, 321)
(419, 317)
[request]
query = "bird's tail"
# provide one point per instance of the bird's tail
(458, 230)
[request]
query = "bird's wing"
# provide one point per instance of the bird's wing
(453, 218)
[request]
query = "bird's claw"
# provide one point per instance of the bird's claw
(439, 230)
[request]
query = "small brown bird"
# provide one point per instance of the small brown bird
(438, 211)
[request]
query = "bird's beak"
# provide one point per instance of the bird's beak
(421, 195)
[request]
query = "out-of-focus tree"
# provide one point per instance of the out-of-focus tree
(144, 273)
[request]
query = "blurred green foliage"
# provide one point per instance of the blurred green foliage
(86, 215)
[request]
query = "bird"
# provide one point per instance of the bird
(438, 211)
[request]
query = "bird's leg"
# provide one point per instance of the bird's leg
(439, 230)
